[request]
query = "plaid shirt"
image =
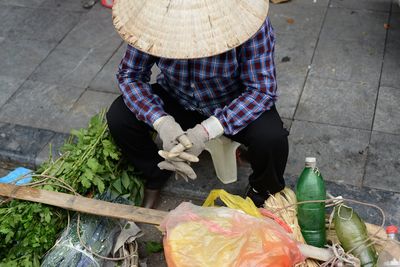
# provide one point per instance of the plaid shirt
(236, 86)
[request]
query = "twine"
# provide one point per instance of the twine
(340, 254)
(67, 187)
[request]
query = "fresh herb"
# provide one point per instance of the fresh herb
(90, 163)
(153, 247)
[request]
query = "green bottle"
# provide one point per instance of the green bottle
(311, 216)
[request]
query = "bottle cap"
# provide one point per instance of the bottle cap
(392, 229)
(311, 160)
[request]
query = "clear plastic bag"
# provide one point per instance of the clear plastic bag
(220, 236)
(97, 233)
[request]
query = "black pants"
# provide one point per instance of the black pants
(265, 138)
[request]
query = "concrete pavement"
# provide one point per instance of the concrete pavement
(338, 71)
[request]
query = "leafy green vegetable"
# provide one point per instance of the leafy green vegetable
(153, 247)
(90, 163)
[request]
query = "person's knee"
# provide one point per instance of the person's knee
(268, 142)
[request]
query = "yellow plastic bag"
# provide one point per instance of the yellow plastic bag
(220, 236)
(233, 202)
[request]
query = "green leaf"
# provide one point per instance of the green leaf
(100, 185)
(93, 164)
(153, 247)
(48, 187)
(117, 185)
(126, 181)
(88, 174)
(85, 182)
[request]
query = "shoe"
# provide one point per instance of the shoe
(107, 3)
(151, 198)
(257, 197)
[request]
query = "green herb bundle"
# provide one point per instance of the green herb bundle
(89, 164)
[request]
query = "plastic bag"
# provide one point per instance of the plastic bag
(233, 202)
(220, 236)
(97, 233)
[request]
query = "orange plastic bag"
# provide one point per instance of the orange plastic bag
(220, 236)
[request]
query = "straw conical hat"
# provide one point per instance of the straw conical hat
(188, 28)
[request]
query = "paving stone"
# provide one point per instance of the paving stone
(290, 85)
(384, 199)
(3, 172)
(207, 180)
(23, 3)
(287, 123)
(21, 144)
(323, 3)
(95, 29)
(381, 5)
(337, 102)
(106, 80)
(391, 63)
(345, 24)
(74, 65)
(293, 54)
(383, 167)
(55, 144)
(41, 105)
(19, 58)
(395, 6)
(45, 25)
(294, 49)
(8, 85)
(353, 61)
(387, 114)
(293, 18)
(88, 105)
(67, 5)
(340, 152)
(10, 16)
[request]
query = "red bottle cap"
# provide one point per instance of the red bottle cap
(391, 229)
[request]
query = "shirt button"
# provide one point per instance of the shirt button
(192, 85)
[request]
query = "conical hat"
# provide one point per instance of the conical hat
(188, 28)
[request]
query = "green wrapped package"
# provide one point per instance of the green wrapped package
(97, 233)
(352, 234)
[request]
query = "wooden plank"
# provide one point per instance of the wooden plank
(108, 209)
(83, 204)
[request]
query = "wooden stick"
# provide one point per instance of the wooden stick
(108, 209)
(83, 204)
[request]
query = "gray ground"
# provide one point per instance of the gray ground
(338, 72)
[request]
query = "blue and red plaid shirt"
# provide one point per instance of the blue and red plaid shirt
(236, 86)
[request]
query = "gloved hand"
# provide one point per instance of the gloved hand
(181, 168)
(170, 133)
(198, 136)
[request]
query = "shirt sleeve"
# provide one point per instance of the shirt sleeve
(258, 75)
(133, 80)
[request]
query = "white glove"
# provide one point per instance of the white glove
(170, 132)
(181, 168)
(198, 136)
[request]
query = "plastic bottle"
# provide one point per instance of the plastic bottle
(311, 216)
(390, 255)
